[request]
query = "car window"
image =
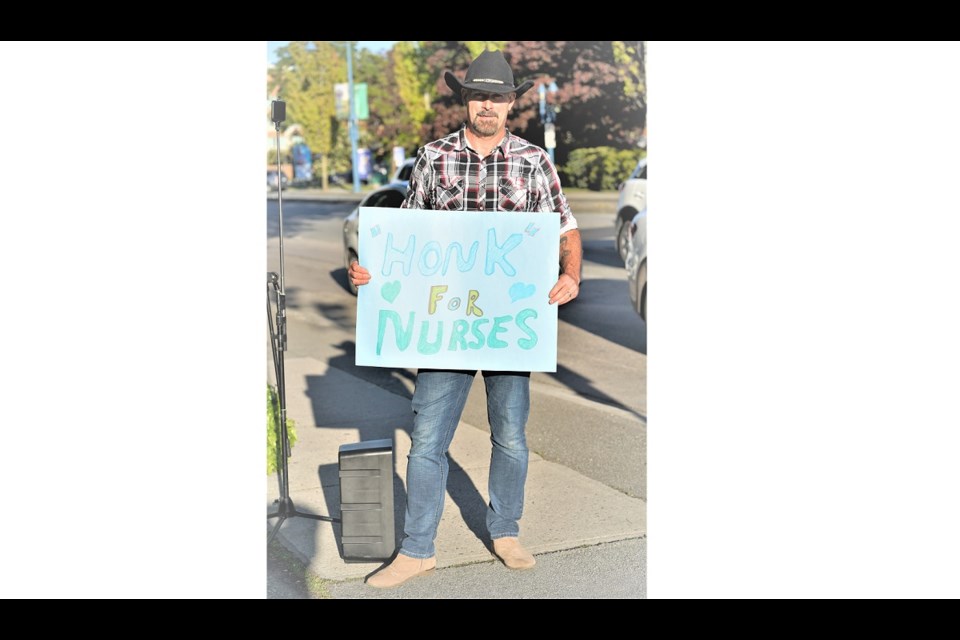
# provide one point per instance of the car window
(393, 199)
(640, 171)
(385, 198)
(405, 172)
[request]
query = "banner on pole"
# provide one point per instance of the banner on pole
(341, 100)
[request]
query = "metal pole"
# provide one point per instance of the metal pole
(353, 118)
(548, 116)
(285, 506)
(280, 203)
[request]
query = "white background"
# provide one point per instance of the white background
(803, 324)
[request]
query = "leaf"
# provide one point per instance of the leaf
(273, 432)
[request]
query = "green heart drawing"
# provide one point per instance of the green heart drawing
(520, 290)
(390, 290)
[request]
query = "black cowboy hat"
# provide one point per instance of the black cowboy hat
(489, 72)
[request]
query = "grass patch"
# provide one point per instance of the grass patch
(315, 587)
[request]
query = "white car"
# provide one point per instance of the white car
(272, 179)
(633, 198)
(391, 195)
(403, 172)
(637, 262)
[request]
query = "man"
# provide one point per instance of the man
(481, 167)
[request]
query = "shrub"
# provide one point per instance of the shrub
(599, 168)
(273, 431)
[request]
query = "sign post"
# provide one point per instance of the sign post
(548, 115)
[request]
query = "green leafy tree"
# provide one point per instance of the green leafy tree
(413, 84)
(630, 58)
(306, 75)
(392, 122)
(412, 81)
(601, 101)
(476, 47)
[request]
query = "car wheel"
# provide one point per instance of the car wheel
(350, 285)
(642, 293)
(623, 238)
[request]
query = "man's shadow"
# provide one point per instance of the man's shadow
(377, 419)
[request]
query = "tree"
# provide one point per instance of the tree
(306, 74)
(476, 47)
(370, 68)
(630, 58)
(601, 99)
(596, 108)
(455, 56)
(397, 107)
(536, 60)
(412, 82)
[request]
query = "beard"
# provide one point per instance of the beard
(485, 126)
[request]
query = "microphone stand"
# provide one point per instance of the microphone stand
(278, 342)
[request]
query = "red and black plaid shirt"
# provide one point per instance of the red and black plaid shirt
(516, 176)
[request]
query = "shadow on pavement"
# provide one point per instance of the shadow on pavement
(585, 388)
(600, 309)
(297, 216)
(340, 277)
(460, 488)
(599, 247)
(386, 378)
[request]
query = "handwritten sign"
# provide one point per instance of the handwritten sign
(458, 290)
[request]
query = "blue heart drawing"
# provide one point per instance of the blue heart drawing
(390, 290)
(520, 290)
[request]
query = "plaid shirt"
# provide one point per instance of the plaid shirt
(516, 176)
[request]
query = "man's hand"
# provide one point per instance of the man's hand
(565, 290)
(357, 274)
(571, 254)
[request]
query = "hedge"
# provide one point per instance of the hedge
(599, 168)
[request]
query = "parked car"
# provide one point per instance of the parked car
(637, 262)
(402, 174)
(377, 176)
(633, 198)
(391, 195)
(272, 179)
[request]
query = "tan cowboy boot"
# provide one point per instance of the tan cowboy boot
(512, 554)
(400, 570)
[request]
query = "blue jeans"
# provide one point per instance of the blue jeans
(438, 402)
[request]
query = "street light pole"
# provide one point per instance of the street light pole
(353, 118)
(548, 115)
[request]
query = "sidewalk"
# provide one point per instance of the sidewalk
(565, 512)
(580, 201)
(334, 194)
